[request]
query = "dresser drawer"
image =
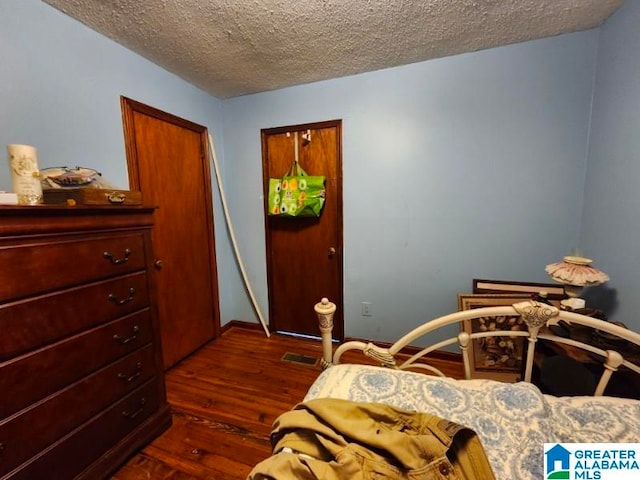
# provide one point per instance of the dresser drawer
(42, 267)
(49, 420)
(76, 451)
(41, 320)
(34, 376)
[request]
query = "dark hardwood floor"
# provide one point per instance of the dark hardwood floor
(224, 399)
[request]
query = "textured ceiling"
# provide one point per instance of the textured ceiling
(237, 47)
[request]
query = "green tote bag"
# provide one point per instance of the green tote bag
(296, 194)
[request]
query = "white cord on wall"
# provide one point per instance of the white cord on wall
(212, 152)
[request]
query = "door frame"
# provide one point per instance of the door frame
(129, 107)
(338, 330)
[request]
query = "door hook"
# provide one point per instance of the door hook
(307, 136)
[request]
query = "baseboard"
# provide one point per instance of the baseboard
(239, 324)
(408, 350)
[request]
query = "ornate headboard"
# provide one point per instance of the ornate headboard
(537, 320)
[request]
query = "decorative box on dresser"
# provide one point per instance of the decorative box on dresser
(81, 377)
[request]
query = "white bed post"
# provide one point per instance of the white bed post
(325, 310)
(463, 341)
(611, 364)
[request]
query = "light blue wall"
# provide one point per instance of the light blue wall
(461, 167)
(60, 87)
(60, 90)
(611, 224)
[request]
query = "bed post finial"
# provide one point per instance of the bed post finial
(611, 364)
(325, 310)
(535, 315)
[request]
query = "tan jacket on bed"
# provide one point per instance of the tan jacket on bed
(332, 439)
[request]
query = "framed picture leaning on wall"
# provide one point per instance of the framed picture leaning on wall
(555, 291)
(496, 358)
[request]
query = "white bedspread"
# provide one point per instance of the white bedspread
(512, 420)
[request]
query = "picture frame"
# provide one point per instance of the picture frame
(555, 291)
(496, 358)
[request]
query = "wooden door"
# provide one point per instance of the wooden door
(168, 162)
(304, 255)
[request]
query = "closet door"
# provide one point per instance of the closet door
(168, 162)
(304, 255)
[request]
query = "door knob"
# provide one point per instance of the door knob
(158, 264)
(331, 252)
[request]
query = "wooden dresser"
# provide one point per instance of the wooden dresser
(81, 377)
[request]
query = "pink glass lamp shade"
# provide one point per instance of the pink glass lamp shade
(576, 273)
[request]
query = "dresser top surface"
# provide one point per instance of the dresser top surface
(30, 220)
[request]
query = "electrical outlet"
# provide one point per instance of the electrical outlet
(367, 311)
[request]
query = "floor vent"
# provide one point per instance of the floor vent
(300, 359)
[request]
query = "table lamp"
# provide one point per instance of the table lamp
(576, 273)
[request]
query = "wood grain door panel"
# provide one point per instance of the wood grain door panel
(168, 163)
(304, 255)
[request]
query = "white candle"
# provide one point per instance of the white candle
(23, 163)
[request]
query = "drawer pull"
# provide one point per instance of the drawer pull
(133, 376)
(114, 298)
(124, 341)
(132, 415)
(1, 448)
(117, 261)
